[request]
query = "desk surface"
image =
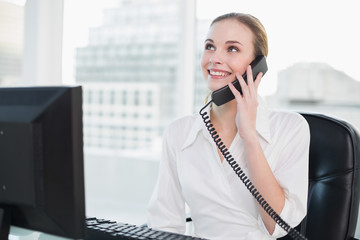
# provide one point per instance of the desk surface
(17, 233)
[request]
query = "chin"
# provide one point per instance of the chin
(212, 85)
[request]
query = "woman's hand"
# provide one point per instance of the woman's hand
(247, 104)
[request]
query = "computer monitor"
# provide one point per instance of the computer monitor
(41, 160)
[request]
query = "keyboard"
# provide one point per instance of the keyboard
(101, 229)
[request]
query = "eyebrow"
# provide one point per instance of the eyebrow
(227, 42)
(232, 42)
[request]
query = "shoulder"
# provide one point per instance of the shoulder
(288, 123)
(179, 129)
(181, 124)
(287, 118)
(281, 120)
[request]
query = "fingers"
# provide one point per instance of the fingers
(234, 91)
(258, 80)
(249, 76)
(251, 85)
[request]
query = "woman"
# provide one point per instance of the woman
(270, 146)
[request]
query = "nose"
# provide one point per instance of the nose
(215, 58)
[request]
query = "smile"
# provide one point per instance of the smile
(218, 73)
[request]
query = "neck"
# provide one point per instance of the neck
(223, 117)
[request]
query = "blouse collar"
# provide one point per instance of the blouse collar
(262, 124)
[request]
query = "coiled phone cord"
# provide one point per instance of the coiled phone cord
(249, 185)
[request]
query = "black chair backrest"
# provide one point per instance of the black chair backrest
(334, 181)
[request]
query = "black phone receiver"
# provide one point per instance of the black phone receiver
(224, 94)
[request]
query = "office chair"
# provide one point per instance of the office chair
(334, 181)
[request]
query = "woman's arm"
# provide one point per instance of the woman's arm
(166, 209)
(264, 180)
(259, 169)
(288, 199)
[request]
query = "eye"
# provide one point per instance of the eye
(209, 46)
(233, 49)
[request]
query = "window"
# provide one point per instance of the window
(126, 48)
(11, 41)
(132, 52)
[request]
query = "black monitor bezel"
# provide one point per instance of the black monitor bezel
(57, 202)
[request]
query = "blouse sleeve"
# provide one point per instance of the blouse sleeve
(292, 172)
(166, 209)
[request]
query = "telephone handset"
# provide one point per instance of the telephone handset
(224, 94)
(220, 97)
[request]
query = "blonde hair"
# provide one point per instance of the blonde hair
(207, 98)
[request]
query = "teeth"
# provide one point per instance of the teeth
(217, 73)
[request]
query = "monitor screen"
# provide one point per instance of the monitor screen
(41, 160)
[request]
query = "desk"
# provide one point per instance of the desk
(17, 233)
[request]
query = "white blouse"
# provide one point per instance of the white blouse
(221, 207)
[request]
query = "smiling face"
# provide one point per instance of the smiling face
(228, 50)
